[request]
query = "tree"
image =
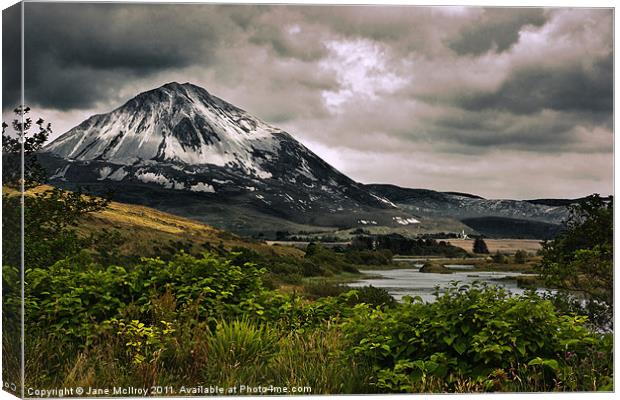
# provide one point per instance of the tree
(580, 260)
(480, 246)
(499, 258)
(23, 141)
(520, 257)
(50, 215)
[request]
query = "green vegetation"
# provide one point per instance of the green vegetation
(580, 261)
(161, 321)
(210, 320)
(479, 339)
(398, 244)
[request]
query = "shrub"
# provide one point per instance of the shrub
(499, 258)
(520, 257)
(580, 260)
(240, 342)
(374, 297)
(369, 257)
(480, 246)
(72, 297)
(468, 332)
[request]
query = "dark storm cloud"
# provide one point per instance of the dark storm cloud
(11, 56)
(547, 131)
(574, 87)
(79, 54)
(496, 28)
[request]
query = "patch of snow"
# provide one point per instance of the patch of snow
(263, 174)
(118, 175)
(104, 173)
(405, 221)
(202, 187)
(384, 200)
(151, 177)
(60, 173)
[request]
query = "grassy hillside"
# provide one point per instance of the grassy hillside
(149, 232)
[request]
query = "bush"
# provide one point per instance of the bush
(241, 342)
(520, 257)
(73, 297)
(369, 257)
(468, 332)
(580, 260)
(374, 297)
(499, 258)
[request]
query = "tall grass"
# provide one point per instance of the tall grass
(233, 353)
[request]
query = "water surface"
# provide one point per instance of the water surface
(412, 282)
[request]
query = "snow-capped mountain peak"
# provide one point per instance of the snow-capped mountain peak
(177, 123)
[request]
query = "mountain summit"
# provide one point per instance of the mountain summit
(181, 149)
(175, 123)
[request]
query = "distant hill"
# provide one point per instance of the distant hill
(512, 228)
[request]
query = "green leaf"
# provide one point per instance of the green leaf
(460, 347)
(553, 364)
(536, 361)
(449, 339)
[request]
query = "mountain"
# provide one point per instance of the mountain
(523, 219)
(180, 149)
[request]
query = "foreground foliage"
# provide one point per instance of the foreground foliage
(209, 320)
(482, 338)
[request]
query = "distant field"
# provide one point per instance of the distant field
(501, 245)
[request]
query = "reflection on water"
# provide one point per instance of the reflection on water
(412, 282)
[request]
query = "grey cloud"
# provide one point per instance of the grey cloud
(496, 28)
(11, 56)
(547, 132)
(79, 54)
(576, 87)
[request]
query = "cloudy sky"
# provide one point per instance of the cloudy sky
(504, 103)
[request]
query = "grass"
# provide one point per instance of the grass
(146, 231)
(235, 352)
(509, 246)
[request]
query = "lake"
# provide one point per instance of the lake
(412, 282)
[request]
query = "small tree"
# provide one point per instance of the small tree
(499, 258)
(480, 247)
(520, 257)
(580, 260)
(23, 141)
